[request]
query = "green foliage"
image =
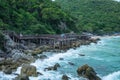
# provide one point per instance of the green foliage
(32, 16)
(60, 16)
(97, 16)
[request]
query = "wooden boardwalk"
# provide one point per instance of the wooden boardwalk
(55, 41)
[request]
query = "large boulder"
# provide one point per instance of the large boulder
(87, 72)
(8, 65)
(28, 70)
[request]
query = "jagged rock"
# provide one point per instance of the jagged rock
(52, 67)
(65, 77)
(87, 72)
(28, 70)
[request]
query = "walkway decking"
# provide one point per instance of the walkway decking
(46, 39)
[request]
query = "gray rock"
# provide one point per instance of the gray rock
(17, 54)
(81, 54)
(65, 77)
(71, 63)
(43, 57)
(29, 70)
(87, 72)
(8, 71)
(24, 77)
(55, 67)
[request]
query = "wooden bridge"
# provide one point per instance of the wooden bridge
(55, 41)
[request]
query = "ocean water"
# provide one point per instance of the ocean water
(104, 57)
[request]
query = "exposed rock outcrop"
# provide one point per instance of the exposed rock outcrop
(28, 70)
(87, 72)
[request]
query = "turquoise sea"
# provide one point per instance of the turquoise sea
(104, 57)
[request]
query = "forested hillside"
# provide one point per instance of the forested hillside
(60, 16)
(34, 16)
(97, 16)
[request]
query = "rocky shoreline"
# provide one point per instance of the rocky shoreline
(13, 57)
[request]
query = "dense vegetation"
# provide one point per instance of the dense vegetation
(96, 16)
(2, 40)
(60, 16)
(34, 16)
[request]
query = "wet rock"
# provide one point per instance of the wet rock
(17, 54)
(8, 71)
(49, 68)
(43, 57)
(52, 67)
(81, 54)
(57, 65)
(87, 72)
(23, 77)
(71, 63)
(65, 77)
(28, 70)
(61, 58)
(39, 73)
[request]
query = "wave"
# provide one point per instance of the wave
(112, 76)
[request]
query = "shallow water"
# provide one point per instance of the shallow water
(104, 57)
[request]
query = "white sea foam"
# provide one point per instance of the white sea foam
(4, 76)
(112, 76)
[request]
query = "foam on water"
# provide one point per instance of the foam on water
(112, 76)
(3, 76)
(53, 75)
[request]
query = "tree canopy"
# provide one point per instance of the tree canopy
(96, 16)
(60, 16)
